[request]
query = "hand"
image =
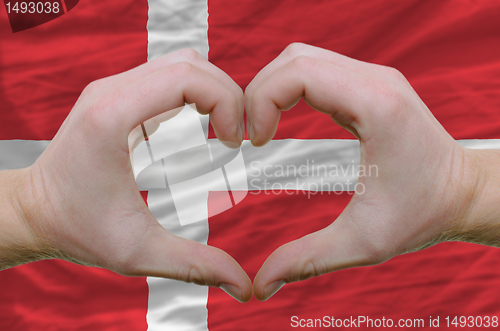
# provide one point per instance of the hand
(80, 201)
(425, 185)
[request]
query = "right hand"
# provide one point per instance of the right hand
(80, 202)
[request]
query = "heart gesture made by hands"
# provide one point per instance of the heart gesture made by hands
(80, 201)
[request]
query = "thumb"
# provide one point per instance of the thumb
(166, 255)
(329, 249)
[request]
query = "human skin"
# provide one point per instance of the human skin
(80, 202)
(428, 190)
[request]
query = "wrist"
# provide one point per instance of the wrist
(19, 243)
(480, 221)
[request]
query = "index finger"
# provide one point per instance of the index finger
(326, 87)
(117, 114)
(295, 50)
(183, 55)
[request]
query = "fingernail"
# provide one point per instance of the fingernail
(232, 290)
(272, 288)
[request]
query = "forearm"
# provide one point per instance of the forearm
(17, 240)
(481, 224)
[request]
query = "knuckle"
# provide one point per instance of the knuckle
(97, 106)
(310, 269)
(389, 100)
(392, 98)
(304, 63)
(190, 274)
(97, 112)
(295, 49)
(195, 277)
(181, 69)
(193, 270)
(394, 74)
(397, 75)
(92, 88)
(190, 54)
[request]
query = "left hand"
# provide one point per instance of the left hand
(426, 183)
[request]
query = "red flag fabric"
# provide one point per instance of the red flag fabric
(448, 50)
